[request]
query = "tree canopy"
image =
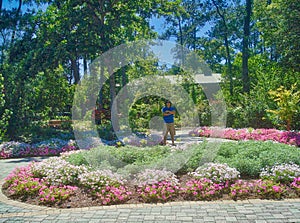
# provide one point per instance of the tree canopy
(46, 46)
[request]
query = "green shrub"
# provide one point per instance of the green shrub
(249, 157)
(140, 155)
(196, 158)
(78, 159)
(102, 156)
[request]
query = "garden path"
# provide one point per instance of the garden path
(217, 211)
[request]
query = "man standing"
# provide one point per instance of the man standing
(168, 115)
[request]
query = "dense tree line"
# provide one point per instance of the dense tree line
(47, 45)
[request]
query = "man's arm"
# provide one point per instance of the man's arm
(172, 112)
(168, 112)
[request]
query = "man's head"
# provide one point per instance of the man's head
(168, 103)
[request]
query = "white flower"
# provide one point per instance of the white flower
(152, 176)
(216, 172)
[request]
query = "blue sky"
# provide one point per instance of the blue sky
(159, 26)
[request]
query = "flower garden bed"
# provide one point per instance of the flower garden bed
(117, 175)
(51, 147)
(286, 137)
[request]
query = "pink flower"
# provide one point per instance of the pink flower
(276, 188)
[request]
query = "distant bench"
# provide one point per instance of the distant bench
(57, 123)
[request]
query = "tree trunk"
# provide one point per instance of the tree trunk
(13, 35)
(102, 84)
(245, 70)
(181, 41)
(113, 106)
(226, 42)
(124, 82)
(75, 71)
(85, 67)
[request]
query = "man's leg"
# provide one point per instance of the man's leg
(172, 132)
(165, 134)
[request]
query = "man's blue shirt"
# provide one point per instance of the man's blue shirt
(168, 118)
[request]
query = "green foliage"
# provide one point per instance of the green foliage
(4, 112)
(288, 104)
(278, 22)
(41, 51)
(119, 157)
(143, 110)
(250, 157)
(145, 155)
(34, 100)
(78, 159)
(46, 102)
(105, 131)
(196, 159)
(250, 110)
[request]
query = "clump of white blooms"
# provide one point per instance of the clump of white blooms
(100, 178)
(57, 171)
(216, 172)
(153, 176)
(65, 155)
(281, 172)
(12, 147)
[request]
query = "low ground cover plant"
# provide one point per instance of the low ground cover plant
(250, 157)
(123, 176)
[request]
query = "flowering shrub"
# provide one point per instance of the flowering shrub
(265, 189)
(105, 185)
(65, 155)
(218, 173)
(55, 194)
(50, 148)
(156, 185)
(241, 189)
(158, 192)
(296, 185)
(51, 181)
(113, 195)
(202, 189)
(151, 176)
(11, 149)
(287, 137)
(22, 183)
(284, 173)
(57, 171)
(97, 179)
(53, 143)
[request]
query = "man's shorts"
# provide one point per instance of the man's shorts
(169, 127)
